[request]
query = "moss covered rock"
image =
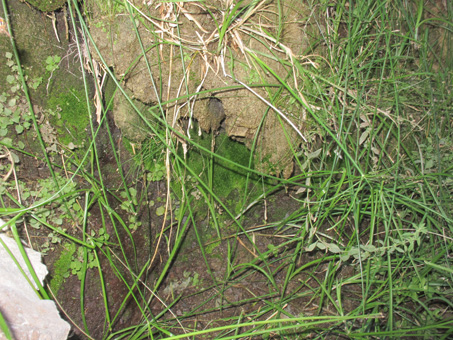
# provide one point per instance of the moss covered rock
(47, 5)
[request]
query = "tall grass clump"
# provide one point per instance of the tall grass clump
(365, 249)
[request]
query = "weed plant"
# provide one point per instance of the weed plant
(367, 251)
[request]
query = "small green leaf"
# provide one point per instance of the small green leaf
(160, 211)
(15, 117)
(353, 252)
(19, 129)
(312, 246)
(7, 141)
(95, 262)
(314, 154)
(364, 255)
(76, 265)
(36, 82)
(369, 248)
(8, 55)
(344, 257)
(321, 245)
(12, 102)
(400, 250)
(10, 79)
(364, 136)
(334, 248)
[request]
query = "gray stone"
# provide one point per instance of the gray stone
(27, 316)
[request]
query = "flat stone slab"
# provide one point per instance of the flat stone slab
(27, 316)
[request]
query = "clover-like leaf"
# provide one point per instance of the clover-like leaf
(160, 211)
(19, 129)
(10, 79)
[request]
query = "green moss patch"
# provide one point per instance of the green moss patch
(225, 178)
(47, 5)
(229, 176)
(72, 119)
(62, 267)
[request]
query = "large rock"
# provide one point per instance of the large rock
(185, 72)
(27, 316)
